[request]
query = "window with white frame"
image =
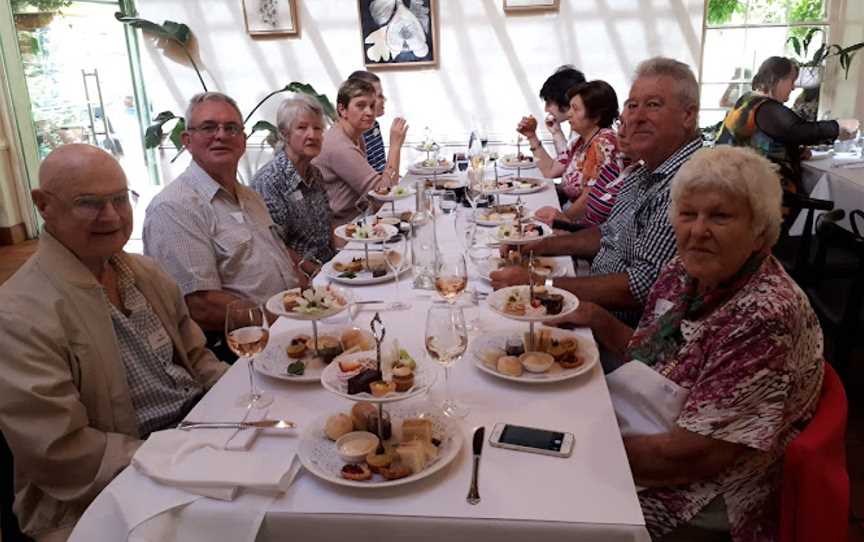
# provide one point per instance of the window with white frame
(739, 34)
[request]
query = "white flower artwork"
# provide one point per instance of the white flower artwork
(398, 32)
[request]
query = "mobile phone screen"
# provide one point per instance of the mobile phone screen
(532, 438)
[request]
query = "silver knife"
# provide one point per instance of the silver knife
(261, 424)
(474, 492)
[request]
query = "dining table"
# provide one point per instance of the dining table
(588, 496)
(838, 177)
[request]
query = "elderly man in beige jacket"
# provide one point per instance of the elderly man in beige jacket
(99, 348)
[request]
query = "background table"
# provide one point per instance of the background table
(843, 185)
(589, 496)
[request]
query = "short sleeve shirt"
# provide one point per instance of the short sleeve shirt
(298, 206)
(208, 240)
(585, 160)
(754, 371)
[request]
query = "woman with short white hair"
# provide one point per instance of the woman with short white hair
(727, 358)
(293, 188)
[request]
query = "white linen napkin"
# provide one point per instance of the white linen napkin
(214, 462)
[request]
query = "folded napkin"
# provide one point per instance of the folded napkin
(214, 462)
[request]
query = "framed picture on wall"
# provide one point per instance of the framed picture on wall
(271, 17)
(527, 5)
(398, 33)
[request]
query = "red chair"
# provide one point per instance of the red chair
(815, 494)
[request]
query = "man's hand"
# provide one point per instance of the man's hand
(583, 316)
(509, 276)
(398, 130)
(553, 125)
(548, 214)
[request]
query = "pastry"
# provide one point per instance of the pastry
(571, 360)
(360, 382)
(350, 230)
(403, 377)
(296, 348)
(356, 471)
(328, 347)
(553, 303)
(413, 455)
(509, 365)
(536, 362)
(416, 429)
(338, 425)
(381, 388)
(560, 348)
(378, 461)
(360, 413)
(354, 266)
(490, 357)
(395, 471)
(352, 338)
(542, 340)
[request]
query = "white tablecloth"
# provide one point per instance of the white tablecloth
(843, 185)
(589, 496)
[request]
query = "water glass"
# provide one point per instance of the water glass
(448, 202)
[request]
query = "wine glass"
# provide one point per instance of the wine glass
(448, 202)
(446, 342)
(310, 266)
(397, 254)
(451, 276)
(247, 333)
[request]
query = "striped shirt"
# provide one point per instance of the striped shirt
(162, 391)
(638, 239)
(375, 154)
(602, 193)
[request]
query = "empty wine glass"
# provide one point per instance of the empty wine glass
(446, 341)
(451, 276)
(247, 333)
(397, 254)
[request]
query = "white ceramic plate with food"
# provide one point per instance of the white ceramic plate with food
(496, 215)
(395, 193)
(485, 350)
(531, 231)
(511, 161)
(274, 360)
(444, 182)
(319, 456)
(366, 233)
(425, 167)
(513, 303)
(546, 267)
(310, 303)
(347, 270)
(527, 185)
(336, 382)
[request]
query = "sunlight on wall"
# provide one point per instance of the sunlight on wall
(490, 66)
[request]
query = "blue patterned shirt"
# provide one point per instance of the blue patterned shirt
(375, 154)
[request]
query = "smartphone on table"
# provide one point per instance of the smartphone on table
(532, 439)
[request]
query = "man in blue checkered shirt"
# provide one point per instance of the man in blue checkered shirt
(630, 249)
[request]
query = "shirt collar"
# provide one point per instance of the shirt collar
(671, 164)
(202, 183)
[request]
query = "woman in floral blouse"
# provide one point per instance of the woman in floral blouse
(725, 324)
(591, 162)
(292, 187)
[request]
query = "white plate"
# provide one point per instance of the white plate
(480, 221)
(448, 182)
(536, 185)
(494, 263)
(498, 299)
(331, 379)
(546, 231)
(362, 278)
(274, 362)
(498, 342)
(276, 306)
(419, 169)
(389, 196)
(389, 231)
(509, 161)
(318, 453)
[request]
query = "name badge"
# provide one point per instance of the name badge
(158, 339)
(606, 197)
(238, 217)
(296, 196)
(662, 307)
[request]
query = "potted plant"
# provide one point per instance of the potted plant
(812, 67)
(33, 14)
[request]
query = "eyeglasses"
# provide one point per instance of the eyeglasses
(210, 129)
(89, 207)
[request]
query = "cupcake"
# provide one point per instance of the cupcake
(403, 377)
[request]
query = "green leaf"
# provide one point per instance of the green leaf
(178, 32)
(154, 134)
(297, 368)
(796, 44)
(264, 126)
(176, 132)
(306, 88)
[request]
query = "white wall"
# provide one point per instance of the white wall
(491, 65)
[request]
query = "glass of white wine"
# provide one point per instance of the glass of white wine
(247, 332)
(451, 276)
(397, 254)
(446, 342)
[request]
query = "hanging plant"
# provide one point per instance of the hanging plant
(20, 6)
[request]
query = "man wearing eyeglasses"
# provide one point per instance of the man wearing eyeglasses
(210, 232)
(98, 346)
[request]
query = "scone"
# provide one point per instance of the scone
(509, 365)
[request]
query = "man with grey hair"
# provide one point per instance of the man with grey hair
(630, 249)
(99, 349)
(211, 233)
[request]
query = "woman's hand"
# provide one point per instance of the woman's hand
(548, 214)
(398, 130)
(527, 127)
(848, 128)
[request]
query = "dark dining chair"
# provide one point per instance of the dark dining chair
(794, 252)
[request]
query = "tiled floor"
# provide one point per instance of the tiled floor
(11, 257)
